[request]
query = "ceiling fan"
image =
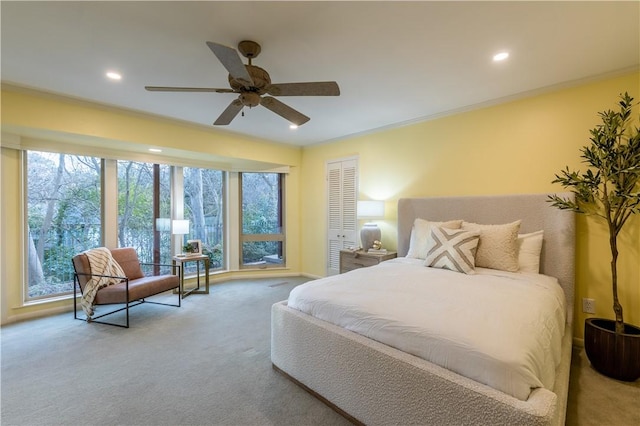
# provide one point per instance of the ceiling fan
(253, 83)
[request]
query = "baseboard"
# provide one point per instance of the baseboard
(578, 342)
(38, 314)
(229, 276)
(312, 276)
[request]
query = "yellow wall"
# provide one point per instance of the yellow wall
(515, 147)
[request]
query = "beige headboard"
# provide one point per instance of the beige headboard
(558, 248)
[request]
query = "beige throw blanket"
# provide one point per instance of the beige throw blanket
(101, 263)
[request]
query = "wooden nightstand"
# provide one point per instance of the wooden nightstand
(350, 259)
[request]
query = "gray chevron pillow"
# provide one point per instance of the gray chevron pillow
(452, 249)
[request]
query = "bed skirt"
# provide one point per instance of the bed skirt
(376, 384)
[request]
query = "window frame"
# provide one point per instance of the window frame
(222, 266)
(277, 237)
(25, 228)
(154, 183)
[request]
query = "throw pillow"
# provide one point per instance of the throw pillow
(498, 246)
(529, 248)
(453, 249)
(419, 242)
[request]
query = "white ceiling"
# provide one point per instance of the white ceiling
(395, 62)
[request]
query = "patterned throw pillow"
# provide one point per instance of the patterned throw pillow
(419, 242)
(453, 249)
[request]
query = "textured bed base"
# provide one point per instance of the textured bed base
(335, 408)
(378, 385)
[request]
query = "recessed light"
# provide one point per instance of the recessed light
(114, 75)
(500, 56)
(293, 126)
(155, 150)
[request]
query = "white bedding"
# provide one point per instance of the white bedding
(498, 328)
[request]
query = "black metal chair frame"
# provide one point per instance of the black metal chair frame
(128, 304)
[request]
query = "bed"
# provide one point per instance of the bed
(374, 383)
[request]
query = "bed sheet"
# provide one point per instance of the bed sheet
(498, 328)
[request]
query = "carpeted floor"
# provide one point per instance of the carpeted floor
(206, 363)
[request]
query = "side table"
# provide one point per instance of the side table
(355, 259)
(181, 261)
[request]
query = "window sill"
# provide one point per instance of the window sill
(46, 300)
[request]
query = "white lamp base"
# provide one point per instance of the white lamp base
(368, 234)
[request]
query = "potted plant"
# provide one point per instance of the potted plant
(609, 189)
(189, 249)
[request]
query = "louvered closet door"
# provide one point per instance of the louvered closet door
(342, 194)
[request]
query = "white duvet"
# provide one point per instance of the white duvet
(499, 328)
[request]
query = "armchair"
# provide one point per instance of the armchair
(132, 290)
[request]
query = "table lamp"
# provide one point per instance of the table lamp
(370, 231)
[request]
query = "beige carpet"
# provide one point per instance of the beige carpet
(206, 363)
(595, 400)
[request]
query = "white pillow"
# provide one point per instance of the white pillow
(452, 249)
(418, 244)
(498, 246)
(529, 248)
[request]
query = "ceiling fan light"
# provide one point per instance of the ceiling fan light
(293, 126)
(250, 99)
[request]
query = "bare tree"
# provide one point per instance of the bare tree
(130, 195)
(194, 194)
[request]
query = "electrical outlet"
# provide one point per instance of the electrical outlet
(588, 306)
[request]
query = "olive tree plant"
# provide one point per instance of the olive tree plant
(610, 187)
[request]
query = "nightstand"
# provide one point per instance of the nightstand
(355, 259)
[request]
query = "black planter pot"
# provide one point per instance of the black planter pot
(614, 355)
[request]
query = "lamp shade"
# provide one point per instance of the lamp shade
(370, 231)
(180, 226)
(370, 209)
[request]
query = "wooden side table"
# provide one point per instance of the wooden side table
(355, 259)
(181, 261)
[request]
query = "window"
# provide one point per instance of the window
(204, 208)
(144, 194)
(65, 211)
(63, 218)
(262, 220)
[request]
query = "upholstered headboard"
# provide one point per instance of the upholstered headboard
(558, 248)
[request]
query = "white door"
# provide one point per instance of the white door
(342, 195)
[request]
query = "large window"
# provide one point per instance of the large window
(69, 196)
(262, 217)
(204, 208)
(63, 218)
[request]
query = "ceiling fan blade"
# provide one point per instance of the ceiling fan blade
(187, 89)
(283, 110)
(231, 60)
(319, 88)
(229, 113)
